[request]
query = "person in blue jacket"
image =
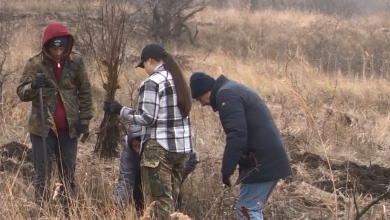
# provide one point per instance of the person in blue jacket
(253, 142)
(129, 188)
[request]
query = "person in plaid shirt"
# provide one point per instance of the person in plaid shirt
(128, 190)
(164, 105)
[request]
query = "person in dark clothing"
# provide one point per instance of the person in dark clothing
(252, 140)
(129, 189)
(66, 89)
(129, 180)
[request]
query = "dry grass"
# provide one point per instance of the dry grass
(268, 51)
(40, 6)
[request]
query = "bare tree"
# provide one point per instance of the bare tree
(168, 19)
(107, 35)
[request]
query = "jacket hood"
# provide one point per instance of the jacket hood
(56, 29)
(219, 82)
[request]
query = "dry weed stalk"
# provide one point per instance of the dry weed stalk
(14, 181)
(147, 212)
(303, 104)
(111, 212)
(301, 101)
(218, 201)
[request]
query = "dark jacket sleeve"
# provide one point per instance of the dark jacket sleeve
(232, 116)
(191, 164)
(24, 90)
(84, 92)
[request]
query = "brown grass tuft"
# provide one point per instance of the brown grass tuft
(147, 212)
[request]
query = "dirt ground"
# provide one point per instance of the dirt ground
(349, 177)
(371, 179)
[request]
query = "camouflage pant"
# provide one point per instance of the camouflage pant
(161, 175)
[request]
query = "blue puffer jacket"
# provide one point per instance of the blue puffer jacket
(129, 166)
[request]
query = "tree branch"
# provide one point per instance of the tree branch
(355, 200)
(373, 202)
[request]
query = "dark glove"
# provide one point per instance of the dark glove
(244, 162)
(226, 180)
(82, 129)
(38, 81)
(112, 107)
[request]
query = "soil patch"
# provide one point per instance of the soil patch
(349, 176)
(16, 157)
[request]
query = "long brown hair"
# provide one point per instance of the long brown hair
(182, 88)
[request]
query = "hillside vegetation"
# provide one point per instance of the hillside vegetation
(323, 76)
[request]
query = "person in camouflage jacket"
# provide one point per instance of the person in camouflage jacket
(60, 73)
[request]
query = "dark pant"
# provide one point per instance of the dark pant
(137, 193)
(65, 150)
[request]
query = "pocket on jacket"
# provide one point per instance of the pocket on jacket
(69, 81)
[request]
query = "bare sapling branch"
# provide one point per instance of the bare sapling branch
(107, 37)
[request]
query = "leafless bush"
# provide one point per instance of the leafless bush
(168, 20)
(132, 85)
(336, 44)
(337, 47)
(107, 35)
(326, 7)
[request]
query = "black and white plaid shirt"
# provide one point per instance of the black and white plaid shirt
(159, 115)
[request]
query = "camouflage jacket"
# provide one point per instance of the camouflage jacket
(74, 88)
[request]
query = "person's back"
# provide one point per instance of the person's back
(168, 127)
(252, 140)
(263, 139)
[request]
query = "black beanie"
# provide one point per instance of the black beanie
(61, 41)
(200, 83)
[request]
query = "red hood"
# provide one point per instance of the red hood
(56, 29)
